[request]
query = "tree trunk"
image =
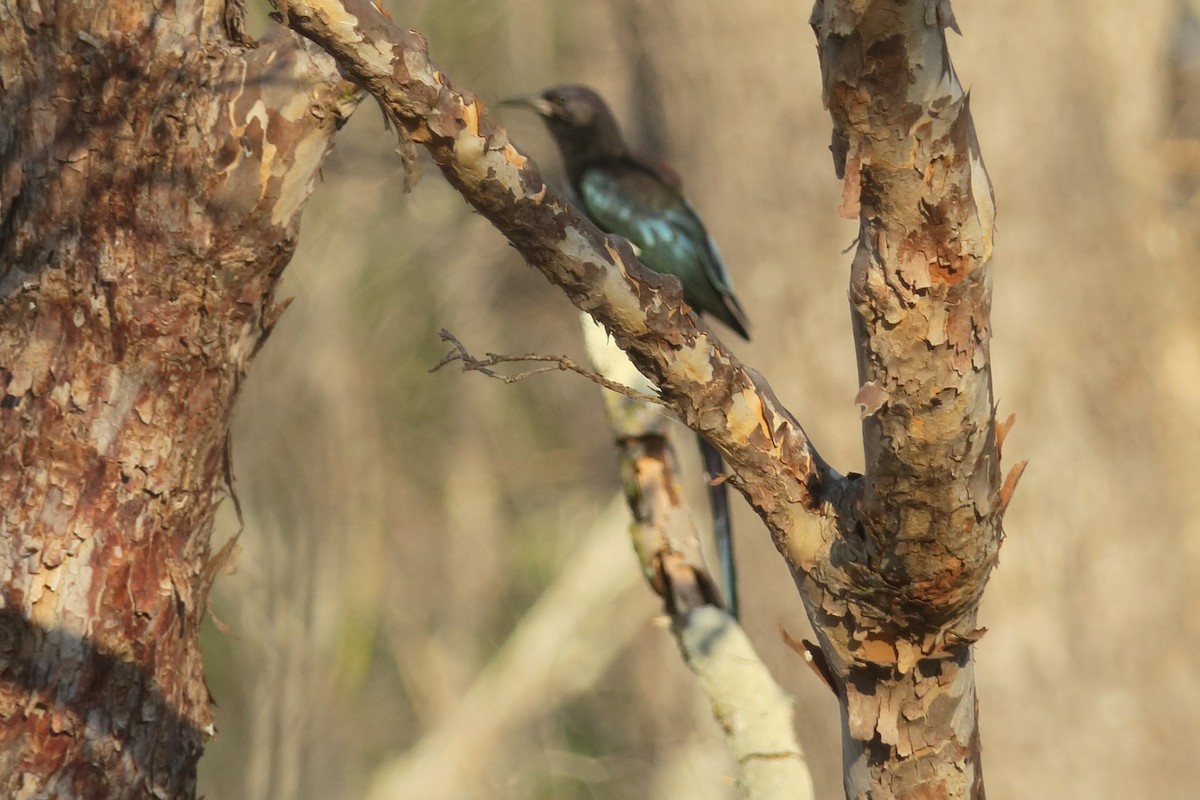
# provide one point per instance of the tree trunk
(928, 518)
(151, 178)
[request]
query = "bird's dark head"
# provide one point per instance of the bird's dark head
(578, 119)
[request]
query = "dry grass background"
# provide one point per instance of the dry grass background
(433, 585)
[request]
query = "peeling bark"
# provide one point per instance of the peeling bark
(151, 179)
(920, 293)
(664, 537)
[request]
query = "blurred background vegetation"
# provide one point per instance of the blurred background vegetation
(434, 596)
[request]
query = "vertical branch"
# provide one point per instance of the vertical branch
(920, 293)
(921, 299)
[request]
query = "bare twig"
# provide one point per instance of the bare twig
(560, 363)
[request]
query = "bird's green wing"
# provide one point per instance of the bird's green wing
(630, 200)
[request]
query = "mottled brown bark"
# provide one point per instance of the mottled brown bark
(664, 537)
(920, 294)
(151, 178)
(893, 578)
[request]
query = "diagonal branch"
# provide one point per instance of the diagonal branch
(752, 710)
(773, 461)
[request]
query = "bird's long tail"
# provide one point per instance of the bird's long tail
(718, 500)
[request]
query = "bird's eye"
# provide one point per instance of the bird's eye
(578, 111)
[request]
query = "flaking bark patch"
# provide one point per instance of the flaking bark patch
(152, 217)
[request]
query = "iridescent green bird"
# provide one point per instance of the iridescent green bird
(643, 202)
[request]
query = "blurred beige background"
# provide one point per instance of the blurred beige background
(434, 596)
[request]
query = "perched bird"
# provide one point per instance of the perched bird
(642, 201)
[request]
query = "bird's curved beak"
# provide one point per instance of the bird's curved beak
(533, 102)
